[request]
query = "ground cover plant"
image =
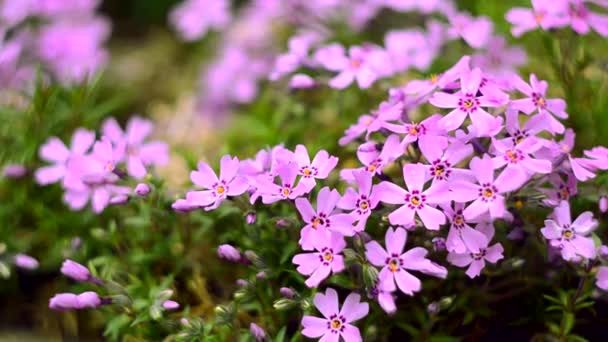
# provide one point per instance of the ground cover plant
(355, 170)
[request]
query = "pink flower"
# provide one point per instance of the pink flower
(139, 154)
(561, 191)
(583, 20)
(327, 259)
(99, 193)
(517, 157)
(319, 168)
(336, 322)
(359, 65)
(477, 260)
(271, 192)
(602, 278)
(486, 193)
(55, 151)
(467, 103)
(545, 14)
(570, 237)
(324, 220)
(193, 18)
(395, 263)
(442, 164)
(430, 136)
(25, 261)
(462, 238)
(499, 59)
(474, 31)
(536, 100)
(375, 160)
(415, 200)
(217, 189)
(362, 202)
(373, 122)
(440, 81)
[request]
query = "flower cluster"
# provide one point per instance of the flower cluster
(90, 170)
(68, 42)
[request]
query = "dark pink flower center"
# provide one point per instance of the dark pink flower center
(415, 129)
(538, 100)
(309, 171)
(480, 255)
(440, 169)
(487, 192)
(394, 263)
(320, 220)
(374, 166)
(326, 256)
(286, 190)
(519, 136)
(513, 156)
(458, 220)
(468, 103)
(335, 323)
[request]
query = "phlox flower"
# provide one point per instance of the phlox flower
(438, 81)
(476, 32)
(477, 260)
(517, 133)
(299, 46)
(359, 65)
(486, 193)
(546, 14)
(325, 260)
(570, 237)
(319, 168)
(561, 191)
(517, 157)
(193, 18)
(320, 222)
(336, 322)
(360, 203)
(54, 150)
(217, 189)
(375, 160)
(602, 278)
(583, 20)
(103, 161)
(271, 192)
(536, 101)
(562, 151)
(98, 192)
(442, 164)
(499, 60)
(410, 48)
(467, 103)
(598, 158)
(462, 237)
(395, 264)
(385, 299)
(138, 153)
(429, 135)
(372, 122)
(414, 199)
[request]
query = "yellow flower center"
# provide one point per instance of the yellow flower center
(316, 222)
(415, 200)
(468, 104)
(459, 220)
(286, 191)
(327, 256)
(355, 63)
(512, 155)
(565, 193)
(364, 205)
(439, 170)
(568, 234)
(110, 166)
(336, 324)
(538, 17)
(220, 189)
(541, 102)
(393, 265)
(488, 193)
(413, 130)
(372, 168)
(306, 172)
(434, 78)
(368, 121)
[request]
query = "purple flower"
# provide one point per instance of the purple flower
(462, 237)
(517, 157)
(138, 153)
(228, 252)
(467, 103)
(386, 299)
(76, 271)
(373, 159)
(561, 191)
(583, 20)
(70, 301)
(170, 305)
(287, 292)
(486, 194)
(373, 122)
(476, 32)
(53, 8)
(361, 203)
(257, 332)
(602, 278)
(25, 262)
(499, 59)
(477, 260)
(324, 220)
(395, 263)
(55, 151)
(319, 168)
(271, 192)
(536, 100)
(442, 164)
(142, 189)
(415, 200)
(430, 136)
(325, 260)
(546, 14)
(193, 18)
(229, 183)
(571, 237)
(99, 193)
(336, 322)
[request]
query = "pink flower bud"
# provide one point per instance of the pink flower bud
(14, 171)
(250, 218)
(64, 301)
(142, 189)
(119, 199)
(287, 292)
(182, 206)
(88, 300)
(257, 332)
(603, 204)
(170, 305)
(228, 252)
(75, 271)
(25, 261)
(301, 81)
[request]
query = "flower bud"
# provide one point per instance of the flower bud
(119, 199)
(142, 190)
(170, 305)
(603, 204)
(75, 271)
(76, 242)
(182, 206)
(88, 300)
(282, 223)
(228, 252)
(257, 332)
(287, 292)
(301, 81)
(25, 262)
(370, 275)
(251, 217)
(242, 283)
(603, 251)
(14, 171)
(5, 272)
(438, 244)
(261, 275)
(284, 304)
(64, 301)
